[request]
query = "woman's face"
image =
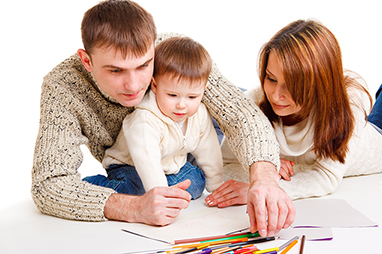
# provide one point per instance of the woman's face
(276, 90)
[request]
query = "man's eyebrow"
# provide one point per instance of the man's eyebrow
(111, 66)
(147, 61)
(117, 67)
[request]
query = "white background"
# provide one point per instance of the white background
(37, 35)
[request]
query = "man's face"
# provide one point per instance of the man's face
(126, 80)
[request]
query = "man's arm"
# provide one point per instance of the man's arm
(249, 132)
(269, 208)
(57, 188)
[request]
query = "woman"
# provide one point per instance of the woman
(318, 112)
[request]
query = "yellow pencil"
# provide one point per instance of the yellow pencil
(267, 250)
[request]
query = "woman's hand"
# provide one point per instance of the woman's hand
(286, 169)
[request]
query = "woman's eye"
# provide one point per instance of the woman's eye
(271, 79)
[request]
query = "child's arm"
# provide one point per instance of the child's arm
(143, 141)
(207, 153)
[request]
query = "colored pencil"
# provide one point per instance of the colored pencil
(237, 231)
(207, 238)
(153, 251)
(302, 244)
(288, 242)
(151, 238)
(193, 249)
(266, 250)
(240, 240)
(221, 250)
(246, 250)
(290, 246)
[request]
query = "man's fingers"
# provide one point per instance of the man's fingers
(183, 185)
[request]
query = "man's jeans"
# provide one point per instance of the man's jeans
(375, 116)
(125, 179)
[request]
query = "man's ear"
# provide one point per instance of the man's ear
(85, 58)
(153, 85)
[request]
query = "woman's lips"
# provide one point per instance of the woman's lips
(278, 106)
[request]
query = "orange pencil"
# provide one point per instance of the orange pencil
(289, 247)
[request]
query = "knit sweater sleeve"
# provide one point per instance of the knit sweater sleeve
(57, 188)
(248, 131)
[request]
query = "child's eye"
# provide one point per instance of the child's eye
(172, 95)
(192, 97)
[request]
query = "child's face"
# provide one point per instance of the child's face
(177, 100)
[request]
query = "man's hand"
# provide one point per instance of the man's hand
(269, 208)
(229, 193)
(159, 206)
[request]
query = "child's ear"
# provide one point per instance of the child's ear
(153, 85)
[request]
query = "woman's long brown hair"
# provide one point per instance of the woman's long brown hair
(312, 67)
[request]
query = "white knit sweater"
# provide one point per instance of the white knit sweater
(156, 146)
(315, 177)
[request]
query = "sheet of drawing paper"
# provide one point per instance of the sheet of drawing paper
(198, 220)
(328, 213)
(311, 234)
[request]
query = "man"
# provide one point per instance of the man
(84, 101)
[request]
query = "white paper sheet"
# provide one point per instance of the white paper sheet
(198, 220)
(311, 234)
(330, 213)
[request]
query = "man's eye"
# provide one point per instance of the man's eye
(115, 70)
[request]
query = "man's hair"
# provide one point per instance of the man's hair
(182, 58)
(121, 24)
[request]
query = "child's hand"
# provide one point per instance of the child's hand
(286, 169)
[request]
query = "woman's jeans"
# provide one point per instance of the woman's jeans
(375, 116)
(125, 179)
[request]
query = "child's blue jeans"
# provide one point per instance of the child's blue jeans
(375, 116)
(125, 179)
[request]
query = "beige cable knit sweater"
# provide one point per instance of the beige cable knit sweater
(74, 112)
